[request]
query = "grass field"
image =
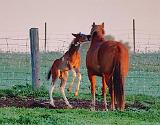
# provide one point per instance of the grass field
(41, 116)
(33, 116)
(142, 87)
(143, 77)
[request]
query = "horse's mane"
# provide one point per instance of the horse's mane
(71, 43)
(72, 47)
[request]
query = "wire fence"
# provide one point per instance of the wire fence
(15, 64)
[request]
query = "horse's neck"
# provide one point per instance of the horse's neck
(98, 38)
(96, 42)
(73, 49)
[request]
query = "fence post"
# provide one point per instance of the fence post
(134, 41)
(34, 46)
(45, 43)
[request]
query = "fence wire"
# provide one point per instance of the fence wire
(15, 64)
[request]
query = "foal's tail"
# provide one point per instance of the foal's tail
(49, 74)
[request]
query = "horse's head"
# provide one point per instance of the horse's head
(97, 31)
(80, 38)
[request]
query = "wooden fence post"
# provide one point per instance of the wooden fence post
(34, 46)
(134, 41)
(45, 43)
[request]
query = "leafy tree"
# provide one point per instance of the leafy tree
(126, 44)
(109, 37)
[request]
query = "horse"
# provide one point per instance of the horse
(109, 60)
(69, 61)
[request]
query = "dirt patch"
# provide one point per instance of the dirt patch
(30, 102)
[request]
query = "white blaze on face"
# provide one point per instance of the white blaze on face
(77, 44)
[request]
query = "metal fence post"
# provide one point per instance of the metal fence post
(34, 46)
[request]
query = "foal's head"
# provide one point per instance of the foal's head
(80, 38)
(97, 31)
(77, 41)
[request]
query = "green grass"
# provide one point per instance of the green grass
(131, 116)
(142, 86)
(41, 116)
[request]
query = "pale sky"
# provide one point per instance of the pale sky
(67, 16)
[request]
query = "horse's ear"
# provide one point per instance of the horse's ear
(75, 35)
(103, 24)
(93, 24)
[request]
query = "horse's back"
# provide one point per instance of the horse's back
(110, 54)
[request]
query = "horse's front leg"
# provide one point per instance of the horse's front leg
(79, 81)
(73, 78)
(92, 79)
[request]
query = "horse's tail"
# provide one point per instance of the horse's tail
(118, 81)
(52, 69)
(49, 74)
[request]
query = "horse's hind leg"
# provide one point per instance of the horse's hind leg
(51, 91)
(104, 86)
(62, 88)
(79, 80)
(112, 93)
(73, 78)
(55, 76)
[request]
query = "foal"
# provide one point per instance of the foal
(69, 61)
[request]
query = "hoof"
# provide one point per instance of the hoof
(105, 109)
(69, 90)
(52, 104)
(70, 107)
(121, 109)
(76, 94)
(92, 109)
(113, 109)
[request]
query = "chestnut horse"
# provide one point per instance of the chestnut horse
(109, 60)
(69, 61)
